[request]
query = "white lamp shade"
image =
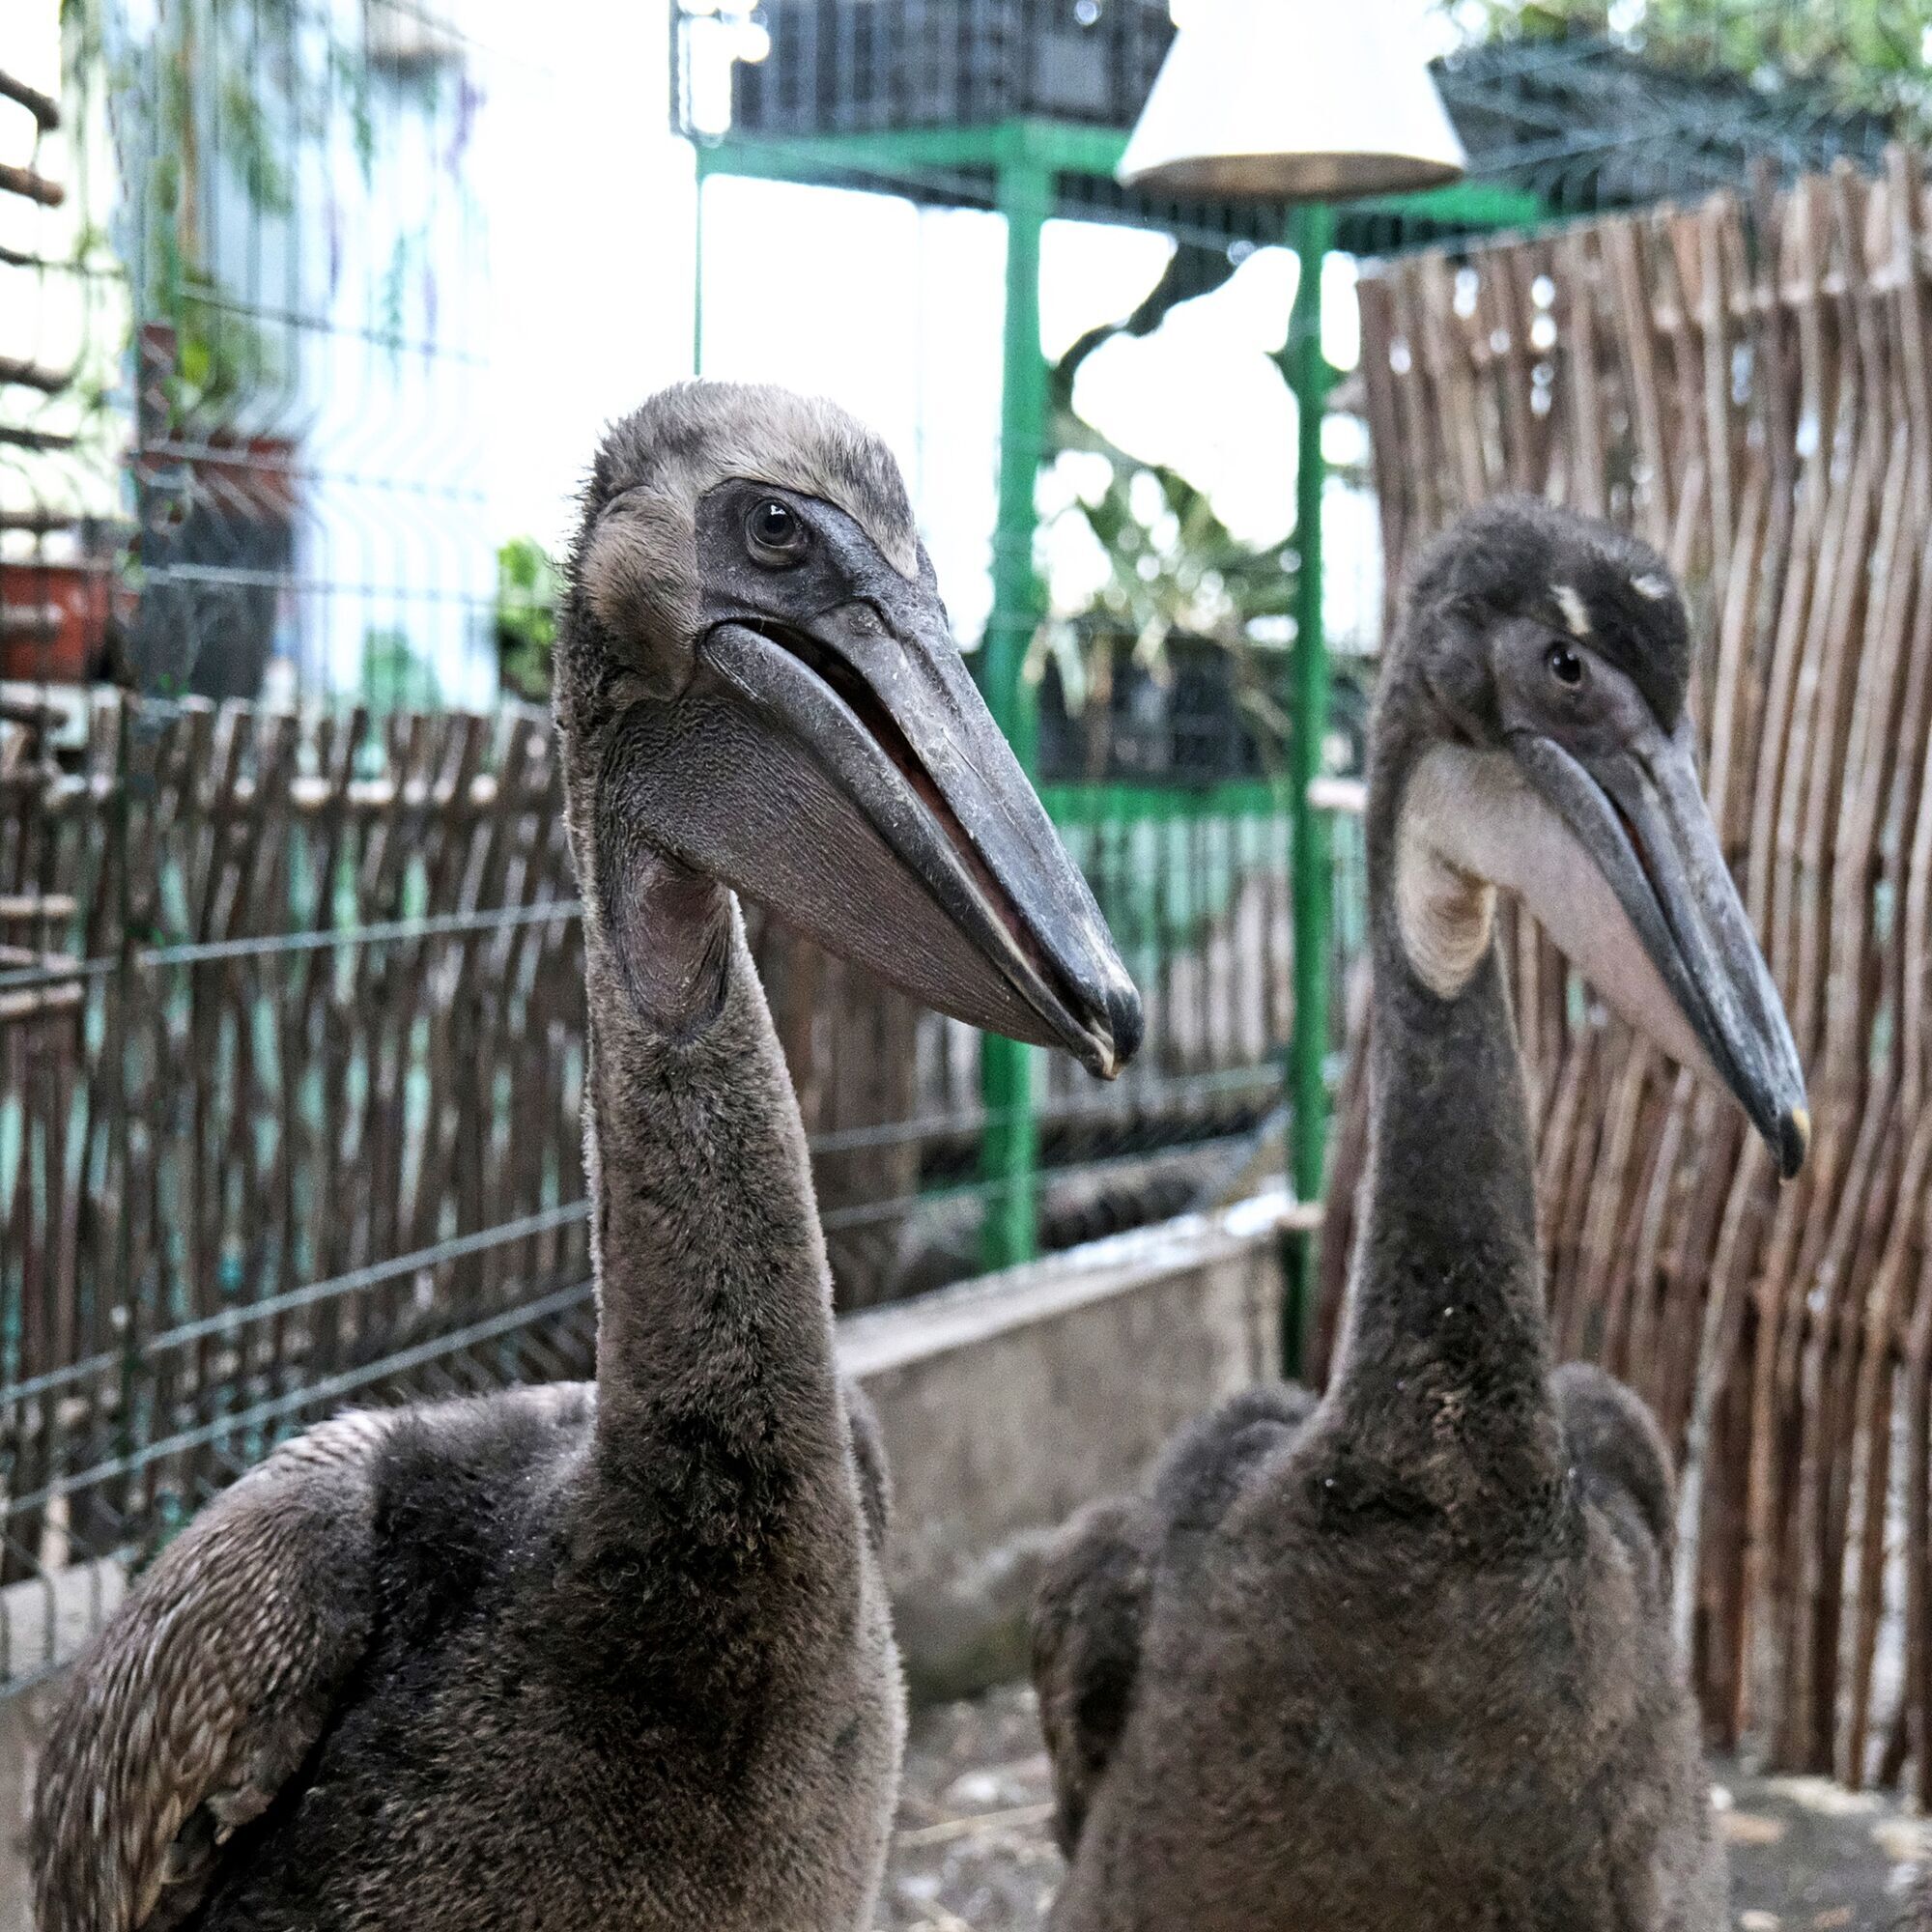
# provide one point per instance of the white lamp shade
(1291, 100)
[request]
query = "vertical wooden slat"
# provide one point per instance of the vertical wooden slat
(1748, 383)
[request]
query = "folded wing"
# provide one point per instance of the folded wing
(208, 1689)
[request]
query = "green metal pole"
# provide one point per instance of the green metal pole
(1310, 869)
(698, 270)
(1009, 1150)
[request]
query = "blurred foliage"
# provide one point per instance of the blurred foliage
(395, 676)
(218, 96)
(526, 593)
(1866, 55)
(1172, 567)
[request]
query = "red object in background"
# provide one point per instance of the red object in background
(253, 477)
(53, 620)
(233, 501)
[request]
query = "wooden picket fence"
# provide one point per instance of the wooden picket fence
(254, 1168)
(1749, 386)
(291, 1075)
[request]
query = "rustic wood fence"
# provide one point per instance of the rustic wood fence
(1748, 386)
(290, 1057)
(291, 1064)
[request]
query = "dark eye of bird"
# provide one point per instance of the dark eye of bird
(773, 526)
(1565, 666)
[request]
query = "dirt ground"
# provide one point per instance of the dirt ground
(972, 1852)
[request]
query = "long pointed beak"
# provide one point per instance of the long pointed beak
(1639, 816)
(844, 772)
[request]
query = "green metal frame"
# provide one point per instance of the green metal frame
(1021, 159)
(1010, 1151)
(1309, 377)
(909, 154)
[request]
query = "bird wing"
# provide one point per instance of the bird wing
(1205, 1468)
(209, 1688)
(1099, 1576)
(1616, 1447)
(1086, 1646)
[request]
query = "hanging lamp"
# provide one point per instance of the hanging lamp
(1291, 100)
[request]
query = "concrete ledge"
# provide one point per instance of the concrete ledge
(1009, 1402)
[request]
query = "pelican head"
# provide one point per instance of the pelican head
(757, 683)
(1535, 703)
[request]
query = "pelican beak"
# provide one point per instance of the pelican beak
(1649, 910)
(837, 766)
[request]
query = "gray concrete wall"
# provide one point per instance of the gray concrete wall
(1009, 1402)
(1005, 1405)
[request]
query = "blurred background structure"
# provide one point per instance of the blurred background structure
(310, 311)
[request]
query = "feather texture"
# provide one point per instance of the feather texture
(209, 1690)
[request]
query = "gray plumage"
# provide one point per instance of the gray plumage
(613, 1657)
(1403, 1658)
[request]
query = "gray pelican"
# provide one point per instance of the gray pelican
(619, 1656)
(1402, 1659)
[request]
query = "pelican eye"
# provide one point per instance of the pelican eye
(1565, 666)
(775, 530)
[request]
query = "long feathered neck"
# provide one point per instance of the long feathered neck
(1443, 1387)
(718, 1407)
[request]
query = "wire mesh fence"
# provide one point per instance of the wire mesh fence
(60, 325)
(255, 430)
(289, 1092)
(243, 330)
(309, 286)
(288, 1099)
(1573, 108)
